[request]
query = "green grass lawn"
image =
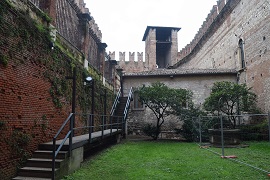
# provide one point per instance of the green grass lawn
(173, 160)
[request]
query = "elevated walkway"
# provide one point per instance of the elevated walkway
(60, 157)
(40, 165)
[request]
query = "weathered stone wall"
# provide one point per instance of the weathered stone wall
(131, 64)
(219, 47)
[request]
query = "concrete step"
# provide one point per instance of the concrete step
(29, 178)
(49, 147)
(48, 154)
(44, 163)
(35, 172)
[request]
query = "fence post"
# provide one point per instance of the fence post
(222, 135)
(269, 125)
(102, 127)
(200, 129)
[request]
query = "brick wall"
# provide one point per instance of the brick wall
(35, 97)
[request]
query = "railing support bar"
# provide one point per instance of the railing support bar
(90, 127)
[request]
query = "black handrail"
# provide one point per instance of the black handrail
(70, 132)
(116, 101)
(68, 135)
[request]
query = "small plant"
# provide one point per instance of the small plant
(3, 60)
(44, 123)
(18, 143)
(2, 124)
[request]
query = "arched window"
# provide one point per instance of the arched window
(241, 53)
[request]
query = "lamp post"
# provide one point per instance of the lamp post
(104, 108)
(73, 106)
(92, 84)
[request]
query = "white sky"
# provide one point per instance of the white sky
(123, 22)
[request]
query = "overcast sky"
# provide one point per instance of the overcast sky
(123, 22)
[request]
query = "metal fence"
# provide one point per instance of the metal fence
(233, 137)
(221, 130)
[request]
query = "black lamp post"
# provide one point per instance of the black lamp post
(104, 107)
(73, 106)
(92, 84)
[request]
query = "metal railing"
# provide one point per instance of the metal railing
(68, 135)
(116, 101)
(128, 103)
(129, 99)
(100, 124)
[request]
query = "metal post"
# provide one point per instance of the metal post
(117, 122)
(53, 159)
(70, 135)
(102, 133)
(200, 129)
(93, 105)
(222, 136)
(90, 127)
(269, 124)
(73, 98)
(105, 107)
(111, 117)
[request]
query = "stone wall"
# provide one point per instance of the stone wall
(131, 64)
(199, 82)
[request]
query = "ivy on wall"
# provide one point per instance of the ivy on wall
(31, 33)
(20, 35)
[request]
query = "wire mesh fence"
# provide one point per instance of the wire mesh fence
(243, 138)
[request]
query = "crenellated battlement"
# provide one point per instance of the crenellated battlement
(215, 11)
(93, 26)
(133, 63)
(95, 29)
(131, 56)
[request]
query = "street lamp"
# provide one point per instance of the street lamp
(91, 81)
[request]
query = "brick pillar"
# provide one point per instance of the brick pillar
(150, 50)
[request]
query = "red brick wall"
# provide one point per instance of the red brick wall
(28, 68)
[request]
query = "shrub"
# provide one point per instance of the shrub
(257, 132)
(150, 130)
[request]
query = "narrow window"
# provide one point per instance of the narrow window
(136, 101)
(241, 53)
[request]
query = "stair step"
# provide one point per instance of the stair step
(35, 172)
(44, 163)
(30, 178)
(49, 147)
(48, 154)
